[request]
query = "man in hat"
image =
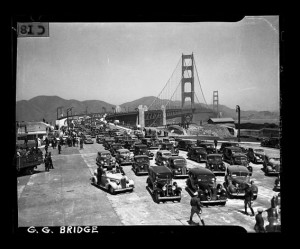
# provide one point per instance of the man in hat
(259, 225)
(248, 199)
(196, 208)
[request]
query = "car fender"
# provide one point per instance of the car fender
(94, 179)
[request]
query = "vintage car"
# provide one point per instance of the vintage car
(119, 139)
(99, 139)
(256, 155)
(88, 139)
(215, 163)
(152, 143)
(170, 147)
(277, 183)
(203, 181)
(114, 147)
(197, 153)
(178, 166)
(104, 159)
(236, 179)
(273, 142)
(271, 164)
(185, 144)
(112, 180)
(142, 149)
(227, 144)
(140, 164)
(229, 152)
(162, 156)
(209, 146)
(169, 140)
(240, 159)
(108, 141)
(161, 185)
(123, 157)
(128, 144)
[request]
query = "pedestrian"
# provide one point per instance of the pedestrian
(248, 199)
(196, 208)
(216, 144)
(81, 143)
(46, 161)
(46, 148)
(50, 161)
(259, 225)
(74, 141)
(53, 145)
(59, 147)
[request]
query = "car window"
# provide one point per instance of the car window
(214, 159)
(179, 161)
(241, 158)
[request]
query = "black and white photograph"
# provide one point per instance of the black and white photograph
(148, 124)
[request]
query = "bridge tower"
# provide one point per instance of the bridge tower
(189, 72)
(216, 102)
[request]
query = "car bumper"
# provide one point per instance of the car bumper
(272, 172)
(123, 189)
(175, 197)
(180, 174)
(142, 172)
(214, 202)
(218, 171)
(125, 162)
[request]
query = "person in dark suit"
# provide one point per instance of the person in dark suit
(59, 147)
(259, 225)
(196, 208)
(248, 199)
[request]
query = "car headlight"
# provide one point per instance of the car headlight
(173, 187)
(101, 161)
(118, 182)
(164, 188)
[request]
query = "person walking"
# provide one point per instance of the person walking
(53, 143)
(81, 143)
(46, 148)
(248, 199)
(46, 161)
(196, 208)
(259, 225)
(50, 161)
(59, 147)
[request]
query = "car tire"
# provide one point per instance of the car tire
(111, 190)
(156, 197)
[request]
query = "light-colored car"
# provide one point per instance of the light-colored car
(272, 164)
(112, 180)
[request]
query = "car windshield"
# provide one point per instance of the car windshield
(167, 154)
(179, 161)
(125, 153)
(237, 173)
(259, 150)
(236, 150)
(105, 154)
(217, 159)
(241, 159)
(140, 160)
(200, 150)
(205, 178)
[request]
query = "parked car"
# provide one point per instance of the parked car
(119, 139)
(128, 144)
(169, 140)
(108, 141)
(215, 163)
(236, 179)
(88, 139)
(162, 156)
(161, 186)
(273, 142)
(112, 180)
(234, 157)
(169, 147)
(208, 146)
(228, 153)
(123, 157)
(203, 181)
(140, 164)
(227, 144)
(114, 147)
(186, 144)
(256, 155)
(197, 153)
(105, 159)
(178, 166)
(99, 139)
(271, 164)
(142, 149)
(152, 143)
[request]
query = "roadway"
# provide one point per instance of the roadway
(65, 197)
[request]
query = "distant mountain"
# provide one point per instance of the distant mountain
(45, 107)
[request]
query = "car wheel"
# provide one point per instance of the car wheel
(136, 171)
(198, 160)
(111, 190)
(156, 198)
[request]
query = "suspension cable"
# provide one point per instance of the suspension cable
(199, 83)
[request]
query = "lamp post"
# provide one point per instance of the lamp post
(238, 110)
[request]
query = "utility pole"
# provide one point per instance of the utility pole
(238, 110)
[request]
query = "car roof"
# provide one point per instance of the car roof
(211, 155)
(237, 168)
(123, 150)
(141, 156)
(160, 170)
(201, 171)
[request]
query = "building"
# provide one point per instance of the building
(32, 130)
(225, 121)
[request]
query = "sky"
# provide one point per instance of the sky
(121, 62)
